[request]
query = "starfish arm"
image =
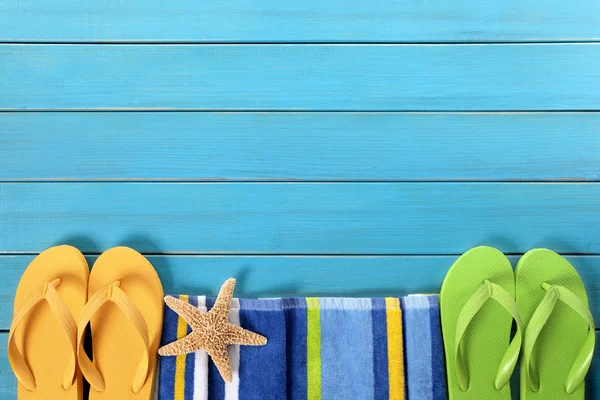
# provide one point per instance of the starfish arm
(189, 344)
(221, 359)
(238, 335)
(223, 302)
(185, 310)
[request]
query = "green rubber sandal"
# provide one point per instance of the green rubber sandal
(477, 308)
(559, 329)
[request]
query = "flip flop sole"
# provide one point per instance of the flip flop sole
(563, 335)
(116, 345)
(488, 335)
(39, 337)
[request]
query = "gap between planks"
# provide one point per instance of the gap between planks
(129, 42)
(292, 181)
(286, 110)
(275, 255)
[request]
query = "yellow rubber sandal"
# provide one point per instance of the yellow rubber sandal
(125, 314)
(42, 342)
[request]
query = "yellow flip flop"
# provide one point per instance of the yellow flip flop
(125, 314)
(42, 342)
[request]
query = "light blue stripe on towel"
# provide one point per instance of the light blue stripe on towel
(346, 349)
(417, 340)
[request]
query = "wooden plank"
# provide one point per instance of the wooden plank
(8, 383)
(306, 21)
(301, 77)
(301, 218)
(299, 146)
(276, 276)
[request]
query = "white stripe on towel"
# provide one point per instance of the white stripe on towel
(201, 364)
(232, 388)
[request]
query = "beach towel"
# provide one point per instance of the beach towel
(425, 370)
(318, 349)
(344, 348)
(257, 375)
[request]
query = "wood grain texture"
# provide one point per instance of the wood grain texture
(276, 276)
(299, 146)
(301, 218)
(308, 21)
(301, 77)
(8, 382)
(337, 186)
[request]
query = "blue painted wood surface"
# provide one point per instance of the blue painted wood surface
(301, 218)
(302, 21)
(361, 196)
(199, 146)
(301, 77)
(274, 276)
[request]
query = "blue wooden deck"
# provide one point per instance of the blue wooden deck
(309, 148)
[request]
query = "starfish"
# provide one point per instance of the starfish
(211, 331)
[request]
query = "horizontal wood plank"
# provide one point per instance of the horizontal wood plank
(301, 77)
(301, 276)
(299, 146)
(301, 218)
(8, 382)
(281, 276)
(306, 21)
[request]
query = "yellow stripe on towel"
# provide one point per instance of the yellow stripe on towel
(181, 359)
(395, 355)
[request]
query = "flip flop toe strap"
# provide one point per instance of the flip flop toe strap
(475, 303)
(113, 293)
(555, 293)
(47, 292)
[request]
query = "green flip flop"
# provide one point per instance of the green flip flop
(477, 305)
(559, 329)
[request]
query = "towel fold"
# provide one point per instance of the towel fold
(425, 370)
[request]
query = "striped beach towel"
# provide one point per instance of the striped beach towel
(258, 372)
(318, 349)
(343, 348)
(425, 372)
